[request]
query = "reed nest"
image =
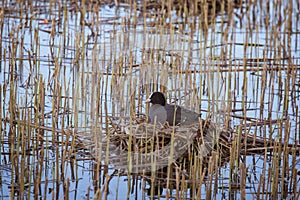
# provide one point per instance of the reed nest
(161, 145)
(134, 146)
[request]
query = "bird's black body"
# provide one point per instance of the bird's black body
(160, 112)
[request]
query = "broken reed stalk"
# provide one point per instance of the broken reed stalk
(12, 113)
(243, 177)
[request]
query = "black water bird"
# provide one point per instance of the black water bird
(161, 112)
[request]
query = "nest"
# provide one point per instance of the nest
(146, 147)
(135, 146)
